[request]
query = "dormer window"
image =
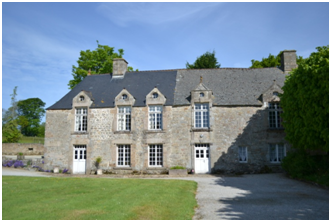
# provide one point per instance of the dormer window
(124, 96)
(202, 95)
(81, 98)
(155, 95)
(275, 93)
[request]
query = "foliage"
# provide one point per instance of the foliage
(206, 61)
(302, 165)
(15, 163)
(272, 61)
(305, 103)
(97, 162)
(177, 168)
(30, 112)
(10, 132)
(59, 198)
(98, 61)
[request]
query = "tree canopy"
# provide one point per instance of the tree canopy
(205, 61)
(98, 61)
(30, 112)
(305, 103)
(272, 61)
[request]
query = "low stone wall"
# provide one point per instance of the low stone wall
(25, 148)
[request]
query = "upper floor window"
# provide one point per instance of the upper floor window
(124, 96)
(201, 115)
(202, 94)
(81, 98)
(124, 118)
(274, 115)
(81, 120)
(277, 152)
(155, 117)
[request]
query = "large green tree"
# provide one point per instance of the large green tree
(305, 103)
(98, 61)
(272, 61)
(205, 61)
(30, 112)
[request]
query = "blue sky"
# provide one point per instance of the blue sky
(41, 41)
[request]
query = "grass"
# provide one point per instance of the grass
(30, 139)
(31, 198)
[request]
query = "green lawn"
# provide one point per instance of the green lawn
(39, 198)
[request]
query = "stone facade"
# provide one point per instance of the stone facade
(231, 127)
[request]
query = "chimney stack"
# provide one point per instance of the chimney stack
(288, 60)
(120, 66)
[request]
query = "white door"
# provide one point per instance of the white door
(202, 158)
(79, 159)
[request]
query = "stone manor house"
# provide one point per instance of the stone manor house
(209, 120)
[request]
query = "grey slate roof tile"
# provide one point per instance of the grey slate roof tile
(230, 86)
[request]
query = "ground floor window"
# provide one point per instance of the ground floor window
(123, 155)
(155, 153)
(242, 151)
(277, 152)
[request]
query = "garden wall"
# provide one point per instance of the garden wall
(25, 148)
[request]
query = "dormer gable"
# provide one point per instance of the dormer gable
(201, 94)
(124, 98)
(82, 99)
(272, 93)
(155, 97)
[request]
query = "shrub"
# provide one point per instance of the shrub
(177, 168)
(18, 163)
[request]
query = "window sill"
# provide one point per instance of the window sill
(123, 132)
(201, 130)
(275, 129)
(79, 133)
(122, 168)
(156, 168)
(153, 131)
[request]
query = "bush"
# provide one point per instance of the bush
(299, 164)
(177, 168)
(18, 163)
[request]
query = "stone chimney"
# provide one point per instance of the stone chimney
(288, 60)
(120, 66)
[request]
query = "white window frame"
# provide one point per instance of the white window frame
(151, 159)
(201, 110)
(81, 119)
(242, 154)
(124, 118)
(277, 148)
(155, 117)
(275, 122)
(121, 161)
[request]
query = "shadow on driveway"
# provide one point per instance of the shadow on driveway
(268, 197)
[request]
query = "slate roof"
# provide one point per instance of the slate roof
(105, 88)
(230, 86)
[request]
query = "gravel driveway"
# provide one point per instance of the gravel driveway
(247, 197)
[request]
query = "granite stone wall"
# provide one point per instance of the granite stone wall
(25, 148)
(231, 127)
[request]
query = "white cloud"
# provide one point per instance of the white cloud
(152, 13)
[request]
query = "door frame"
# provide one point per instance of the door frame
(84, 154)
(205, 147)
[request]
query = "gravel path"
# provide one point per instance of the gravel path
(247, 197)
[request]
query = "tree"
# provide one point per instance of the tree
(206, 61)
(10, 131)
(272, 61)
(305, 103)
(98, 61)
(30, 112)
